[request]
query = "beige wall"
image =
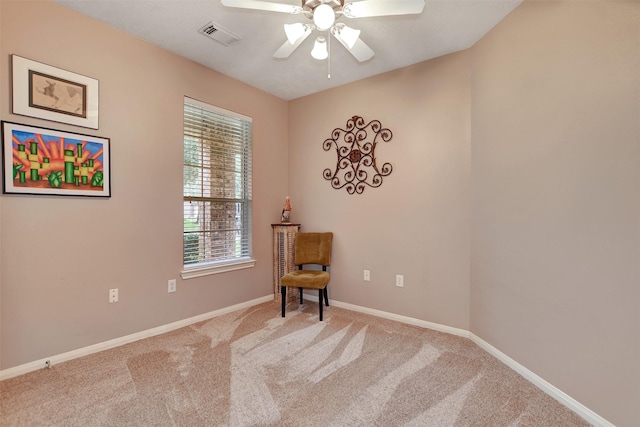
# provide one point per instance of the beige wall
(60, 255)
(417, 222)
(555, 280)
(3, 94)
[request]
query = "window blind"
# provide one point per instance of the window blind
(216, 184)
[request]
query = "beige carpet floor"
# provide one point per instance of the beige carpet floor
(254, 368)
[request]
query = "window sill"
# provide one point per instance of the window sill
(216, 268)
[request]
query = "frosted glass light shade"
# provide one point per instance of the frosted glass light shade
(323, 17)
(319, 50)
(294, 32)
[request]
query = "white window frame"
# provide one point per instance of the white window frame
(245, 260)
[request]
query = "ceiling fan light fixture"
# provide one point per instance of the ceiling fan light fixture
(324, 17)
(348, 35)
(319, 50)
(294, 32)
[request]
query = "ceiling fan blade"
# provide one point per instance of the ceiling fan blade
(287, 48)
(262, 5)
(360, 50)
(368, 8)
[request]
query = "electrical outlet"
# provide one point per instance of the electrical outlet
(399, 280)
(113, 295)
(171, 285)
(367, 276)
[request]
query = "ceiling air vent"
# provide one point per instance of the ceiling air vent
(219, 33)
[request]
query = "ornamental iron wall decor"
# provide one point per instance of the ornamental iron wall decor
(356, 148)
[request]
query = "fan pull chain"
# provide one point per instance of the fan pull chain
(329, 54)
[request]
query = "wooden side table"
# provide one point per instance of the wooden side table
(283, 257)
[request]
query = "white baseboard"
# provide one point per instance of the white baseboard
(74, 354)
(577, 407)
(584, 412)
(566, 400)
(404, 319)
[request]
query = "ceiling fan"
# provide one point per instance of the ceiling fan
(324, 14)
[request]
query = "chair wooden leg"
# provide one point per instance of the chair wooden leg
(283, 291)
(320, 302)
(326, 297)
(300, 291)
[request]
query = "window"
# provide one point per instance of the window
(216, 189)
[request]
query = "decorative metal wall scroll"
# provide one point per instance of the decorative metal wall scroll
(356, 148)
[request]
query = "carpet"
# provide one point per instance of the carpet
(255, 368)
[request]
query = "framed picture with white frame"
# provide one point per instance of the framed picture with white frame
(50, 93)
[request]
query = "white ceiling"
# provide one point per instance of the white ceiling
(445, 26)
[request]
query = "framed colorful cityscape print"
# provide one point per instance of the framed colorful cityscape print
(49, 162)
(50, 93)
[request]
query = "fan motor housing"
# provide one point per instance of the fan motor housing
(308, 6)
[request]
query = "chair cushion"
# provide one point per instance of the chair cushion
(308, 279)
